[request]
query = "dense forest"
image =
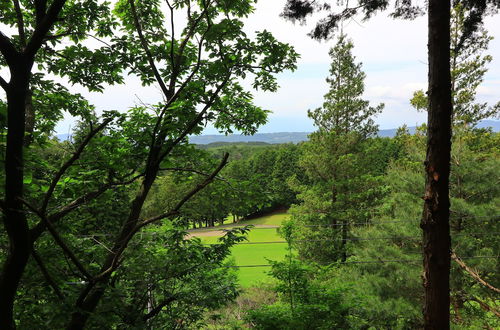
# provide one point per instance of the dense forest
(104, 230)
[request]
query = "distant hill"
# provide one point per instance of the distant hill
(290, 137)
(272, 138)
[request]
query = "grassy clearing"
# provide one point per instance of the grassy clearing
(254, 254)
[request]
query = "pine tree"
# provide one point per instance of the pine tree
(342, 185)
(343, 109)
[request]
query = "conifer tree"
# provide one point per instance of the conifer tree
(343, 186)
(343, 109)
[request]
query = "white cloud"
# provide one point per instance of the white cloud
(393, 52)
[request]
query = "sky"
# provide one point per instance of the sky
(394, 57)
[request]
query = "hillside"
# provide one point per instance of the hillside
(290, 137)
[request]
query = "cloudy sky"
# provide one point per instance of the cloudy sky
(393, 53)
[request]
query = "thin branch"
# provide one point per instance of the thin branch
(4, 84)
(171, 213)
(82, 200)
(70, 162)
(36, 231)
(101, 243)
(55, 52)
(8, 50)
(183, 85)
(176, 64)
(60, 35)
(191, 170)
(195, 121)
(67, 250)
(485, 306)
(20, 22)
(58, 239)
(146, 49)
(46, 275)
(44, 25)
(190, 194)
(155, 311)
(173, 77)
(172, 34)
(472, 273)
(180, 169)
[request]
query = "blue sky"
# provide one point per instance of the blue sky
(393, 53)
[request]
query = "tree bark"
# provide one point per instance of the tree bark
(14, 217)
(435, 219)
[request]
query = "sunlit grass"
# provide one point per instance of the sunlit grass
(255, 254)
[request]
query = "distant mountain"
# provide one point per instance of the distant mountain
(292, 137)
(391, 132)
(273, 138)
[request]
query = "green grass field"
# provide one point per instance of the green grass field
(254, 254)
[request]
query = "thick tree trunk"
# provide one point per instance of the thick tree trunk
(14, 218)
(435, 219)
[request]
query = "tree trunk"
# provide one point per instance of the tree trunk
(30, 118)
(343, 249)
(14, 218)
(435, 218)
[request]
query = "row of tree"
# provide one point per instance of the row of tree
(355, 246)
(95, 188)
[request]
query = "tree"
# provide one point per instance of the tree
(19, 54)
(315, 304)
(200, 68)
(468, 66)
(343, 109)
(333, 160)
(435, 219)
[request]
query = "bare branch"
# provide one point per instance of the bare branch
(176, 64)
(168, 214)
(183, 85)
(44, 25)
(190, 194)
(58, 239)
(195, 121)
(191, 170)
(82, 200)
(46, 275)
(172, 34)
(66, 249)
(485, 306)
(155, 311)
(7, 49)
(70, 33)
(20, 22)
(145, 47)
(4, 84)
(472, 273)
(70, 162)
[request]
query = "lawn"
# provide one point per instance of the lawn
(254, 254)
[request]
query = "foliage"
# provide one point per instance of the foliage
(343, 109)
(89, 189)
(468, 67)
(305, 303)
(343, 172)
